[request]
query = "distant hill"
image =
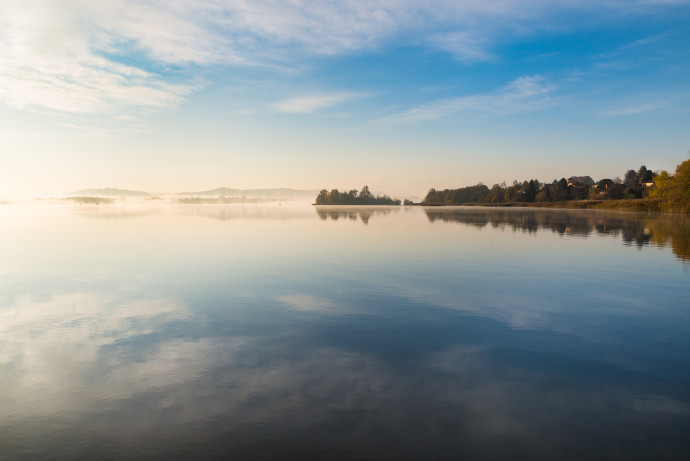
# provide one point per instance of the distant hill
(110, 192)
(263, 193)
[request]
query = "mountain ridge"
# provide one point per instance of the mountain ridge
(111, 192)
(281, 192)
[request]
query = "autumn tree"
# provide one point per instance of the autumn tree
(674, 187)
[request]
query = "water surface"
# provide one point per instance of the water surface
(297, 332)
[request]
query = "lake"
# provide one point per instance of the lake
(297, 332)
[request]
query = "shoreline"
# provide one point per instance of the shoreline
(644, 205)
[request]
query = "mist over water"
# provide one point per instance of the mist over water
(298, 332)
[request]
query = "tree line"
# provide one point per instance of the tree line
(635, 185)
(354, 197)
(666, 191)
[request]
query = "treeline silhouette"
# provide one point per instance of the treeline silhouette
(632, 186)
(353, 197)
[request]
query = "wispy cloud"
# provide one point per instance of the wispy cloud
(633, 110)
(96, 90)
(306, 302)
(309, 104)
(523, 94)
(464, 46)
(50, 62)
(90, 57)
(667, 101)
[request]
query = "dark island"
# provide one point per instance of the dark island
(365, 197)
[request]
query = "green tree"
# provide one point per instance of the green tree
(645, 175)
(604, 184)
(560, 191)
(322, 198)
(431, 197)
(530, 191)
(631, 177)
(511, 193)
(544, 195)
(496, 194)
(333, 196)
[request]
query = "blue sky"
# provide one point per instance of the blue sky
(401, 95)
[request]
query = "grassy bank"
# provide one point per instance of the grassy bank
(648, 205)
(645, 205)
(653, 205)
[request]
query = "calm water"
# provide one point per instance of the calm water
(330, 333)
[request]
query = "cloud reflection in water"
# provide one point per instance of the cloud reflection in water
(407, 340)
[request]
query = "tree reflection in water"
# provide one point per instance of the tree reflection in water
(634, 229)
(352, 213)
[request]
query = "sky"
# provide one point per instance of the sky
(401, 95)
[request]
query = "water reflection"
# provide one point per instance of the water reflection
(268, 333)
(52, 350)
(352, 213)
(213, 211)
(634, 229)
(232, 213)
(243, 384)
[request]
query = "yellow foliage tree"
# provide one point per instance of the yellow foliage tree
(674, 187)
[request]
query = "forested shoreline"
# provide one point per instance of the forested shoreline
(633, 186)
(638, 190)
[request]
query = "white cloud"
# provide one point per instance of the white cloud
(51, 61)
(90, 57)
(658, 102)
(309, 104)
(633, 110)
(463, 45)
(523, 94)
